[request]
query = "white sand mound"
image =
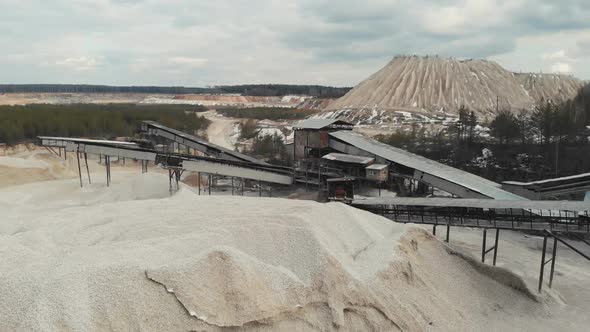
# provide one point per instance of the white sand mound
(191, 262)
(129, 187)
(545, 87)
(33, 166)
(428, 85)
(22, 163)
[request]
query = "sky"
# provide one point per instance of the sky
(326, 42)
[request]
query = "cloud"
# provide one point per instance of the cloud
(566, 60)
(82, 63)
(581, 49)
(198, 42)
(479, 28)
(561, 67)
(557, 55)
(188, 61)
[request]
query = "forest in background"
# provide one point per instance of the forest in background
(25, 123)
(247, 90)
(268, 113)
(285, 89)
(550, 141)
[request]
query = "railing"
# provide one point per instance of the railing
(556, 239)
(516, 219)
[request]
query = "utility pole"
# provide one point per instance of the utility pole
(557, 155)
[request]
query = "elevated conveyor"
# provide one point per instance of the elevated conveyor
(259, 172)
(550, 188)
(559, 216)
(455, 181)
(193, 142)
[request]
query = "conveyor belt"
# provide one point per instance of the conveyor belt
(561, 216)
(247, 170)
(452, 180)
(206, 147)
(550, 188)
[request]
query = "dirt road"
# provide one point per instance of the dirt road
(222, 131)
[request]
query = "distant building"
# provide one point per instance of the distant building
(377, 172)
(311, 139)
(349, 165)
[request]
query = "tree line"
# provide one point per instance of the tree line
(85, 88)
(268, 113)
(25, 123)
(549, 141)
(549, 122)
(286, 89)
(270, 148)
(249, 90)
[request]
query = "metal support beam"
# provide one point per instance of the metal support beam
(53, 151)
(483, 245)
(174, 179)
(434, 229)
(210, 183)
(448, 232)
(496, 246)
(544, 262)
(110, 175)
(87, 169)
(107, 163)
(485, 250)
(556, 238)
(553, 262)
(79, 169)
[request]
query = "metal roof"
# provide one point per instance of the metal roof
(85, 140)
(348, 158)
(478, 203)
(408, 159)
(548, 181)
(344, 179)
(377, 167)
(317, 123)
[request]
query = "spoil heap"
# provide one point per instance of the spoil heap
(434, 86)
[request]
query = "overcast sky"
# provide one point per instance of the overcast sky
(329, 42)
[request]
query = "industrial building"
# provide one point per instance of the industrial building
(328, 148)
(311, 137)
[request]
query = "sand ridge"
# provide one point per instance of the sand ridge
(133, 257)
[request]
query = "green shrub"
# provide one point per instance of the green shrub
(25, 123)
(270, 113)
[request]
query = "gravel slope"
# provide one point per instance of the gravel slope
(433, 86)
